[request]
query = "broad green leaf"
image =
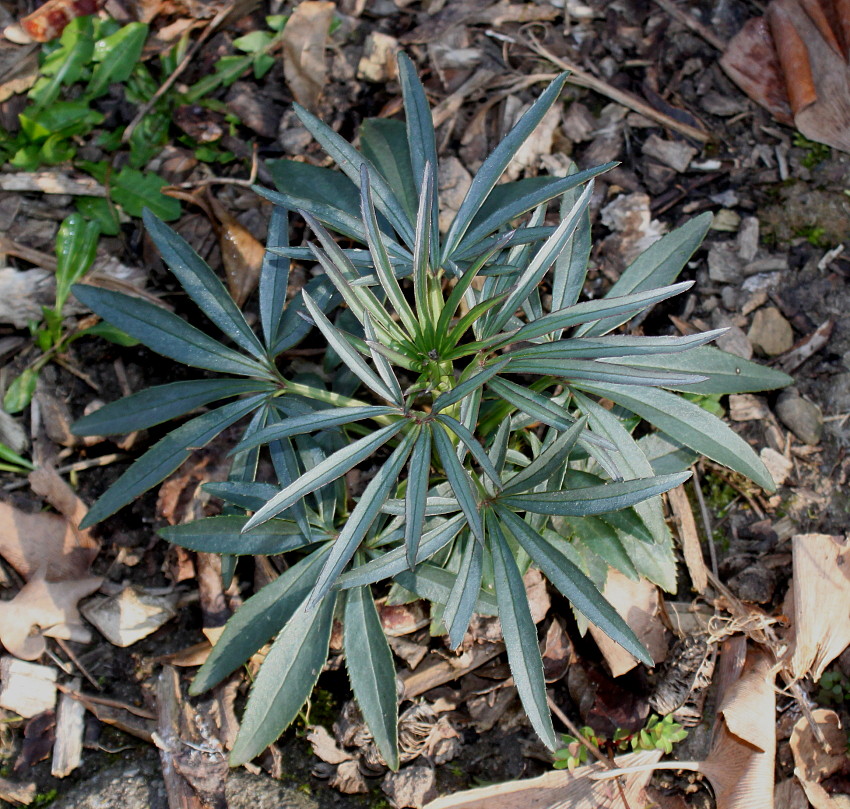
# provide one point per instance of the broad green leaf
(224, 535)
(285, 679)
(333, 467)
(594, 500)
(496, 163)
(574, 585)
(166, 333)
(599, 537)
(692, 426)
(350, 161)
(117, 56)
(371, 671)
(725, 372)
(65, 65)
(313, 422)
(19, 394)
(76, 245)
(202, 285)
(166, 455)
(134, 191)
(362, 516)
(520, 635)
(274, 275)
(630, 460)
(460, 481)
(65, 118)
(395, 561)
(658, 265)
(435, 584)
(162, 403)
(458, 610)
(383, 142)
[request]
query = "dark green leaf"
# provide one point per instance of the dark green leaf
(415, 502)
(574, 585)
(134, 191)
(520, 635)
(464, 595)
(285, 680)
(162, 403)
(202, 285)
(462, 390)
(435, 584)
(166, 455)
(274, 275)
(598, 371)
(224, 535)
(372, 672)
(547, 463)
(166, 333)
(117, 56)
(383, 142)
(460, 481)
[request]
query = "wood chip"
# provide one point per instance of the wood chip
(51, 182)
(17, 793)
(70, 725)
(689, 537)
(438, 670)
(26, 688)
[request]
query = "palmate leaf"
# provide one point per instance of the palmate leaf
(691, 425)
(258, 620)
(372, 672)
(520, 634)
(285, 679)
(166, 455)
(167, 334)
(202, 285)
(162, 403)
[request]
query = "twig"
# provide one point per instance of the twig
(598, 754)
(185, 62)
(694, 24)
(191, 184)
(76, 661)
(581, 78)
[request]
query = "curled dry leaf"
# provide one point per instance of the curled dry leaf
(814, 762)
(131, 615)
(48, 21)
(44, 608)
(304, 40)
(638, 603)
(794, 62)
(821, 602)
(561, 788)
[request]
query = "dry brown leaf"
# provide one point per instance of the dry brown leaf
(794, 62)
(559, 790)
(304, 41)
(44, 608)
(813, 762)
(788, 794)
(557, 652)
(821, 596)
(638, 603)
(49, 20)
(325, 747)
(129, 616)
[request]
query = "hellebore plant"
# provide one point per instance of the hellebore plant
(497, 427)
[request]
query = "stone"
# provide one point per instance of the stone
(770, 332)
(838, 393)
(746, 407)
(141, 787)
(748, 238)
(735, 342)
(676, 154)
(378, 61)
(724, 264)
(411, 787)
(726, 220)
(800, 416)
(777, 464)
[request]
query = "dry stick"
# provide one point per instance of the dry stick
(581, 78)
(186, 61)
(706, 522)
(694, 24)
(76, 661)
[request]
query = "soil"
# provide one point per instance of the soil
(750, 167)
